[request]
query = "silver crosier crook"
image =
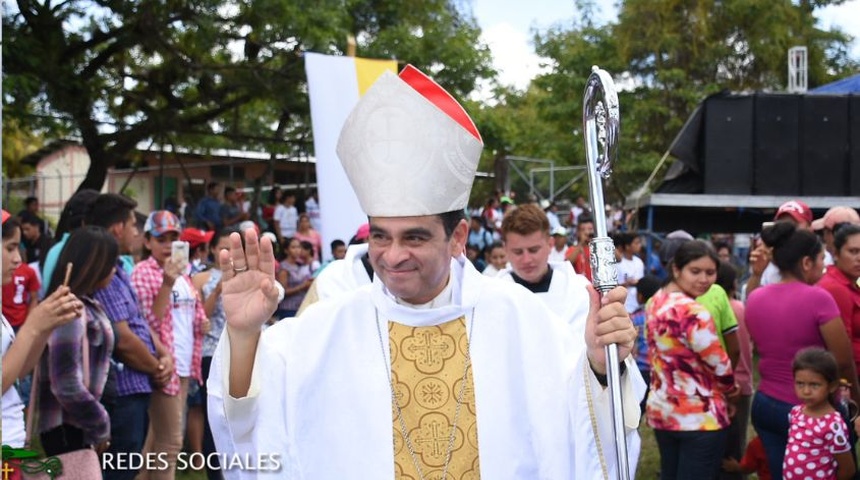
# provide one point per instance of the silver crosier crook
(601, 124)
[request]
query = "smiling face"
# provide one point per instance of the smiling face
(412, 255)
(696, 277)
(528, 254)
(498, 257)
(11, 255)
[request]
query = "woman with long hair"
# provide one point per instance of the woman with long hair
(19, 357)
(784, 318)
(691, 374)
(74, 369)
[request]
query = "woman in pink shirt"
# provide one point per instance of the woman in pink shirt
(784, 318)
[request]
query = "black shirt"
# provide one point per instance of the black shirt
(540, 286)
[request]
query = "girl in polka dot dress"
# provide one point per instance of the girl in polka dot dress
(818, 446)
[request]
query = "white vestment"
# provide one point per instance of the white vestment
(568, 298)
(320, 395)
(343, 275)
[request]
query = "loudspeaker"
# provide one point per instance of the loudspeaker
(777, 145)
(729, 145)
(824, 145)
(854, 145)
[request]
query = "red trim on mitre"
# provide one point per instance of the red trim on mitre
(439, 97)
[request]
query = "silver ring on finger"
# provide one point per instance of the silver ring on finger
(240, 270)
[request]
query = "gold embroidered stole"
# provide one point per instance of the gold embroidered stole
(427, 365)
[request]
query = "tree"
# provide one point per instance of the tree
(666, 57)
(207, 73)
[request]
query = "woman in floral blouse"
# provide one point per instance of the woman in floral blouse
(691, 375)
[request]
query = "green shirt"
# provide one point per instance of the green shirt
(716, 301)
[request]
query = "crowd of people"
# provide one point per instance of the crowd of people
(115, 342)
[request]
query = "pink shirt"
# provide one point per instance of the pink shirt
(813, 444)
(782, 319)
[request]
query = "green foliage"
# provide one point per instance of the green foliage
(207, 73)
(666, 57)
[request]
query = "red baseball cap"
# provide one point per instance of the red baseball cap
(196, 237)
(6, 216)
(797, 209)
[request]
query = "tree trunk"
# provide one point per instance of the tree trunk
(97, 173)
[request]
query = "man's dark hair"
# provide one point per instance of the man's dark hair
(109, 209)
(229, 190)
(211, 186)
(335, 244)
(30, 218)
(450, 220)
(30, 201)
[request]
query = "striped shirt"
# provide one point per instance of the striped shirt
(146, 280)
(120, 305)
(64, 398)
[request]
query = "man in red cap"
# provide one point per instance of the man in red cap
(828, 223)
(762, 270)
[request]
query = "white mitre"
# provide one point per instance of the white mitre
(409, 148)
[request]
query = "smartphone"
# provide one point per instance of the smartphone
(179, 251)
(767, 225)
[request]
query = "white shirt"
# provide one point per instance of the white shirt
(312, 208)
(632, 268)
(557, 255)
(13, 407)
(287, 218)
(183, 301)
(534, 418)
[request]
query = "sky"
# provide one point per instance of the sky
(506, 26)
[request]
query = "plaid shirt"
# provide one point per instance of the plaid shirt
(146, 279)
(62, 395)
(120, 305)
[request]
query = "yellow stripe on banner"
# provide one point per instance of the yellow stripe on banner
(368, 70)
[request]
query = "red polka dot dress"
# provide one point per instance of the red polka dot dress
(813, 443)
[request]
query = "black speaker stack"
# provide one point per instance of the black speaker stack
(782, 144)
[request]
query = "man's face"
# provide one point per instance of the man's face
(30, 231)
(411, 255)
(528, 254)
(339, 252)
(584, 232)
(560, 241)
(126, 233)
(635, 247)
(475, 224)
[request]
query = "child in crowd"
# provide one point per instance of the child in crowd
(818, 437)
(754, 461)
(296, 278)
(648, 286)
(474, 254)
(498, 259)
(308, 256)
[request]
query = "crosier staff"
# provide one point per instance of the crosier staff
(601, 123)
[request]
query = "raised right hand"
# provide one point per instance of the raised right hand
(759, 258)
(249, 297)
